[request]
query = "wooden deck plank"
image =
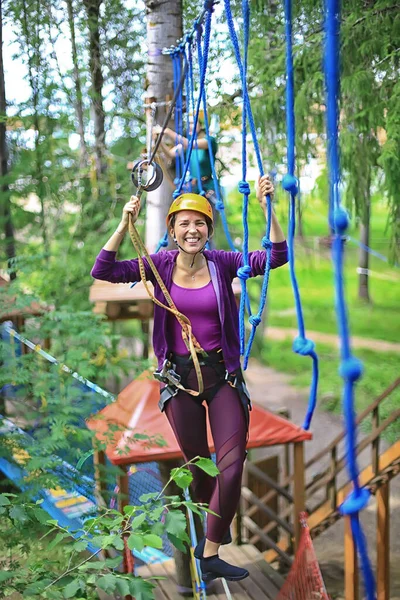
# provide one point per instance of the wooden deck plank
(262, 584)
(257, 558)
(257, 585)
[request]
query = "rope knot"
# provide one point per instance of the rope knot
(244, 187)
(266, 243)
(244, 272)
(175, 194)
(355, 501)
(351, 369)
(203, 193)
(290, 184)
(189, 38)
(209, 5)
(220, 205)
(163, 243)
(255, 320)
(303, 346)
(341, 220)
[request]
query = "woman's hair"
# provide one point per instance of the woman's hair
(208, 221)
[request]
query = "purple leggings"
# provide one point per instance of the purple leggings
(187, 417)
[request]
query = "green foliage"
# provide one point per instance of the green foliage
(36, 567)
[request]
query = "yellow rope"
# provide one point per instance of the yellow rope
(191, 343)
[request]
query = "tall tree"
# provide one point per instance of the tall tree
(164, 28)
(5, 205)
(77, 82)
(97, 81)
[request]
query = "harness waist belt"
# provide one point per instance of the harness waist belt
(213, 357)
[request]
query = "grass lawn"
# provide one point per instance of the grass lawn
(314, 270)
(381, 369)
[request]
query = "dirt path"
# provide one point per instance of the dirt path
(273, 391)
(281, 333)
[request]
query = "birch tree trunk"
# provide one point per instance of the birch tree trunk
(164, 28)
(5, 208)
(96, 74)
(363, 257)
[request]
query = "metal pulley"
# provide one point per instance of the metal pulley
(154, 175)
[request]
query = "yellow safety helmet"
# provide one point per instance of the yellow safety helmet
(190, 201)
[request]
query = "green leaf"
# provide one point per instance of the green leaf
(154, 541)
(80, 546)
(138, 521)
(158, 528)
(113, 563)
(175, 522)
(4, 575)
(59, 537)
(146, 497)
(177, 542)
(182, 477)
(4, 501)
(141, 589)
(122, 587)
(193, 507)
(117, 542)
(107, 583)
(83, 459)
(71, 589)
(208, 466)
(40, 515)
(18, 513)
(135, 542)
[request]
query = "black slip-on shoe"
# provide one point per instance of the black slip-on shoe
(213, 567)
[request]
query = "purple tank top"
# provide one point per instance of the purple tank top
(200, 306)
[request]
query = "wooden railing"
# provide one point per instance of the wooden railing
(322, 493)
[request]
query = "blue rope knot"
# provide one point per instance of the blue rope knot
(351, 369)
(220, 205)
(244, 187)
(175, 194)
(176, 181)
(303, 346)
(255, 320)
(244, 272)
(189, 38)
(290, 184)
(355, 501)
(341, 220)
(163, 243)
(266, 243)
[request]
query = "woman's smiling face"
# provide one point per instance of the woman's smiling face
(190, 230)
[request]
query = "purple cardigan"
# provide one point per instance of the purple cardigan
(223, 268)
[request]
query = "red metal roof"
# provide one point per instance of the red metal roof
(136, 411)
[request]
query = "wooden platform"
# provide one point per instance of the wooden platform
(263, 583)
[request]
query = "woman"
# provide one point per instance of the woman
(199, 282)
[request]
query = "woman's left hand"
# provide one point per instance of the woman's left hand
(264, 186)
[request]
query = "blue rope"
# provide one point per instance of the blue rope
(254, 320)
(175, 61)
(301, 345)
(207, 31)
(350, 367)
(219, 205)
(192, 104)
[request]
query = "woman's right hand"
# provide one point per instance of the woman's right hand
(131, 208)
